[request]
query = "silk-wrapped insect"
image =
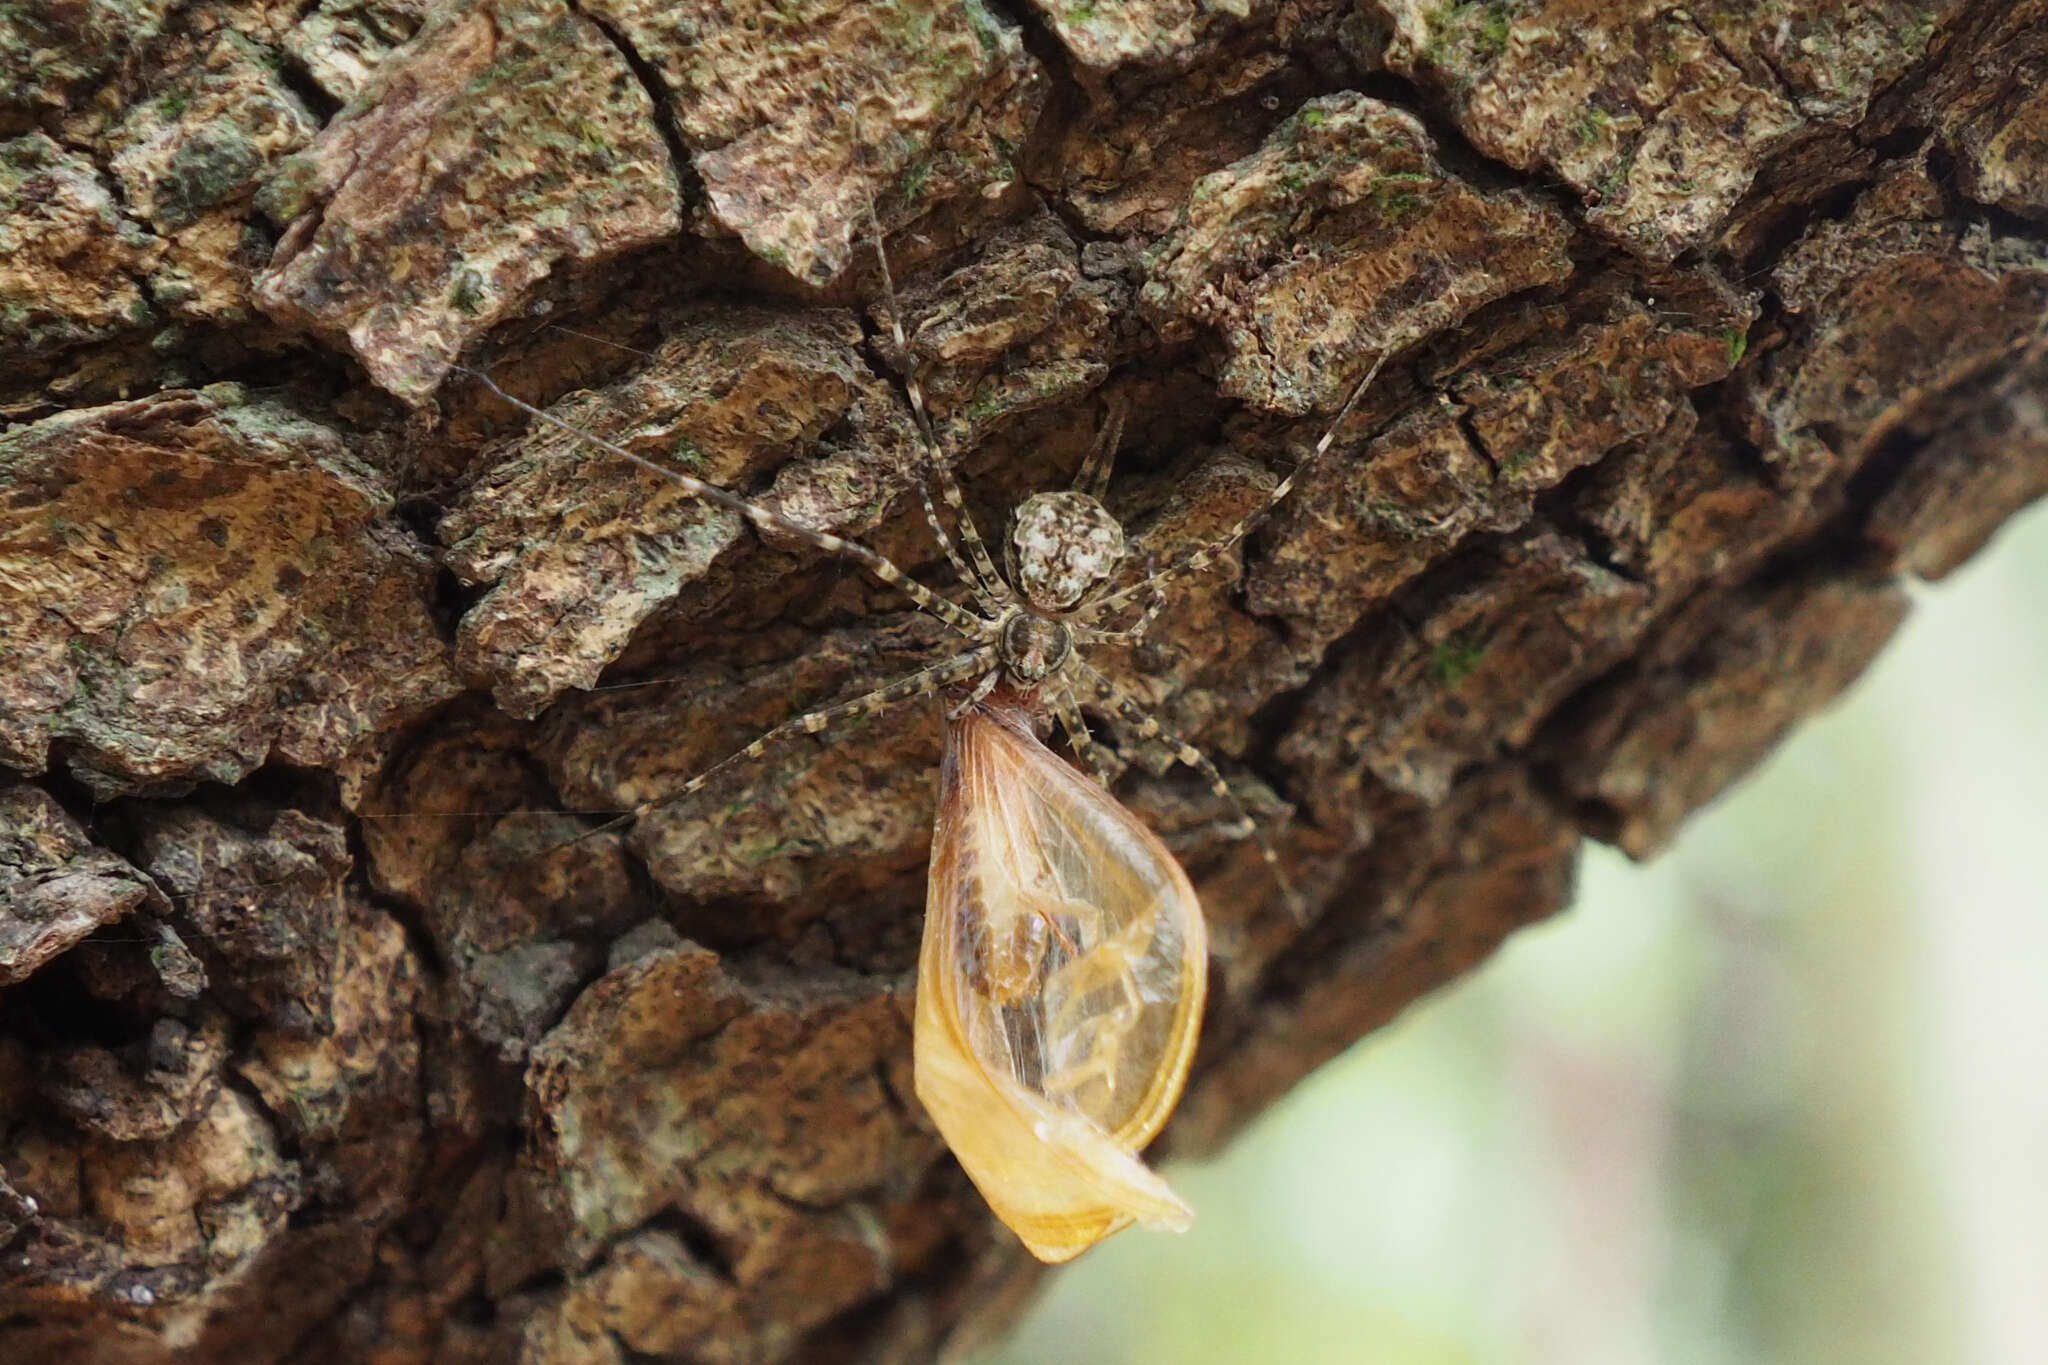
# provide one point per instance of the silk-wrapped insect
(1064, 959)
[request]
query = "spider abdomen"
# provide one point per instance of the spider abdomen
(1061, 545)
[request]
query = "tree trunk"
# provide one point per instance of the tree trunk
(323, 1037)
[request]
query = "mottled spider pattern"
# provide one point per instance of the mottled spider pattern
(1026, 628)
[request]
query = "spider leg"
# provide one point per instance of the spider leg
(990, 588)
(974, 581)
(1068, 708)
(1092, 477)
(1148, 728)
(974, 698)
(975, 584)
(1203, 556)
(1133, 634)
(947, 610)
(921, 683)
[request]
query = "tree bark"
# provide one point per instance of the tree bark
(323, 1037)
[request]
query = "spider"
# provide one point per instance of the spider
(1023, 627)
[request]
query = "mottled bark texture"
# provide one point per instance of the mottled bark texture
(322, 1041)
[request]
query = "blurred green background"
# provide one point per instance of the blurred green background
(1780, 1096)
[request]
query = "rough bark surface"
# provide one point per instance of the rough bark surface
(321, 1036)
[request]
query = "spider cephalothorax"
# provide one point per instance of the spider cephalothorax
(1035, 647)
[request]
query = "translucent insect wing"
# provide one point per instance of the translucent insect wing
(1047, 1086)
